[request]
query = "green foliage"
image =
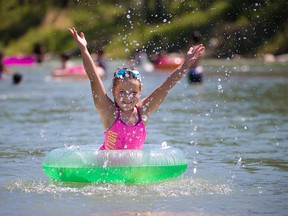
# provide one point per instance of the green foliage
(240, 27)
(15, 20)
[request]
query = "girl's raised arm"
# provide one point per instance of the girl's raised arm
(153, 101)
(100, 97)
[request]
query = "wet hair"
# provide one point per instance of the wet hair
(65, 56)
(115, 78)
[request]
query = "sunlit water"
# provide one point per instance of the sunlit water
(232, 128)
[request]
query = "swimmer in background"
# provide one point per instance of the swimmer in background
(4, 71)
(195, 71)
(39, 52)
(125, 118)
(65, 65)
(17, 78)
(100, 61)
(65, 61)
(139, 58)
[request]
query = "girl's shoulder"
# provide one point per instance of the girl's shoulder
(108, 115)
(144, 112)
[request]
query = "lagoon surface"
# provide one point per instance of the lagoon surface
(232, 129)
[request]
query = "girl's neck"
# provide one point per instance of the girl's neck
(129, 117)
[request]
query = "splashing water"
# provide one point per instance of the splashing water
(72, 147)
(164, 145)
(194, 170)
(144, 118)
(175, 188)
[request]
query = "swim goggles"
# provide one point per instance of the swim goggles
(121, 73)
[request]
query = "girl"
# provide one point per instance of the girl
(125, 118)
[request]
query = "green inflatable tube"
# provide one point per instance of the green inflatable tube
(87, 164)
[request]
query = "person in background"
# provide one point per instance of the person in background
(4, 71)
(140, 59)
(65, 61)
(101, 60)
(39, 52)
(195, 70)
(16, 78)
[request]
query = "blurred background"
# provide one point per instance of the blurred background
(228, 28)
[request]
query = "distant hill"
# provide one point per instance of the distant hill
(228, 28)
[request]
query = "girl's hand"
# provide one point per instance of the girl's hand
(80, 39)
(193, 54)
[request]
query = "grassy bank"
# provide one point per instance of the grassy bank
(120, 27)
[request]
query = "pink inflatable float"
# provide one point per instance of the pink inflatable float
(19, 61)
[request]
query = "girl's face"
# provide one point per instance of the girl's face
(127, 93)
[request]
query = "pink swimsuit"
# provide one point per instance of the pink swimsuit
(122, 136)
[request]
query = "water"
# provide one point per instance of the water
(232, 128)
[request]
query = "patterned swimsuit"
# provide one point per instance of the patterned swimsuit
(122, 136)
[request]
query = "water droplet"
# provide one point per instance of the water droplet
(144, 118)
(105, 164)
(194, 170)
(164, 145)
(220, 89)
